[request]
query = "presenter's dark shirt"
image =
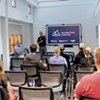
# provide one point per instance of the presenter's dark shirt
(43, 39)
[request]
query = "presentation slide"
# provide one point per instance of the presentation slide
(63, 34)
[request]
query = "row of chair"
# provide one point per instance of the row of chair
(47, 79)
(78, 74)
(16, 62)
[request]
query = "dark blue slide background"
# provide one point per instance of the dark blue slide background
(63, 34)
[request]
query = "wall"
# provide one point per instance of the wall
(69, 14)
(20, 13)
(0, 39)
(2, 8)
(27, 34)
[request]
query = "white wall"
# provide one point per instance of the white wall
(2, 8)
(69, 14)
(15, 28)
(0, 38)
(27, 34)
(20, 13)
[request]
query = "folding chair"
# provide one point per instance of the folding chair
(63, 69)
(80, 67)
(35, 93)
(16, 63)
(79, 74)
(52, 79)
(58, 67)
(32, 73)
(17, 78)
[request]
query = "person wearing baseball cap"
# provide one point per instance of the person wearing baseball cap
(80, 54)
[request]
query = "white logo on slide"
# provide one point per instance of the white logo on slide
(56, 33)
(72, 40)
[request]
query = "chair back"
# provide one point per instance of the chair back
(31, 70)
(79, 74)
(58, 67)
(50, 78)
(17, 78)
(80, 67)
(35, 93)
(16, 62)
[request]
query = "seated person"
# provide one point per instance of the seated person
(20, 50)
(57, 59)
(7, 92)
(80, 54)
(88, 59)
(33, 58)
(89, 85)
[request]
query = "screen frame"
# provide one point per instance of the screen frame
(61, 25)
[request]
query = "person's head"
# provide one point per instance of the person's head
(41, 33)
(18, 43)
(56, 50)
(33, 48)
(81, 46)
(97, 57)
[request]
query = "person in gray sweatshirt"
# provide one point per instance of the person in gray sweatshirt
(33, 58)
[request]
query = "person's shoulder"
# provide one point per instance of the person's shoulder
(52, 57)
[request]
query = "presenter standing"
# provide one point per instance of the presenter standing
(42, 43)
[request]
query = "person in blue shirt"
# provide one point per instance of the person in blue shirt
(57, 59)
(20, 50)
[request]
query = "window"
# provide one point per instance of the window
(29, 9)
(13, 3)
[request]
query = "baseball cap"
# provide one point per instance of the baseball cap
(81, 45)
